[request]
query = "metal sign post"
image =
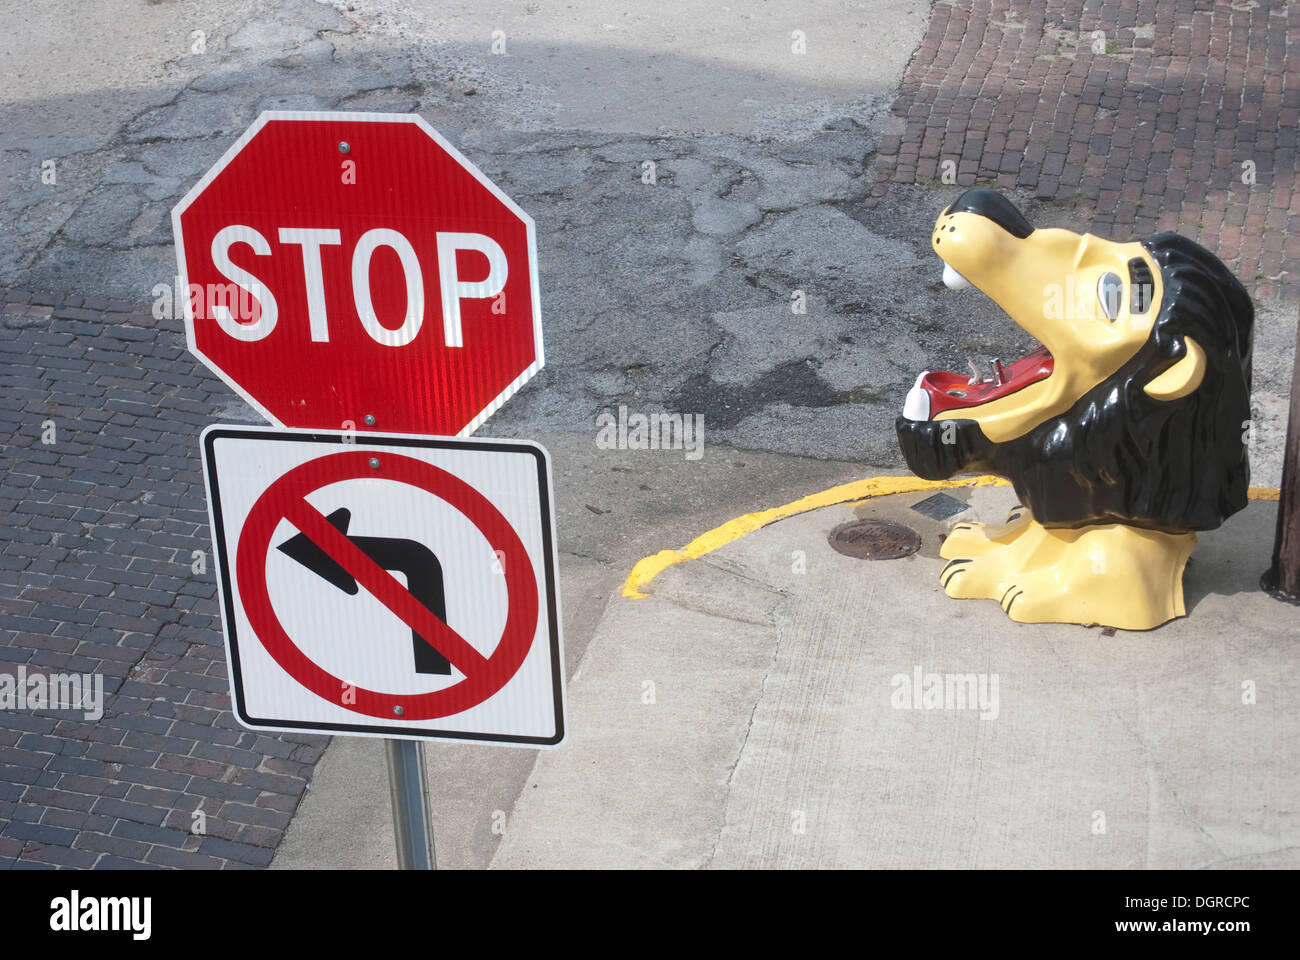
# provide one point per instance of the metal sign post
(1283, 578)
(412, 828)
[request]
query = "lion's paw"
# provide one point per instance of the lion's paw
(967, 578)
(1036, 599)
(965, 540)
(976, 539)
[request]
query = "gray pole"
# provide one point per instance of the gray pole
(411, 826)
(1284, 576)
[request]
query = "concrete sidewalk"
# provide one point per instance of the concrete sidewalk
(742, 716)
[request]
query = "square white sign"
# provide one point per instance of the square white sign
(394, 586)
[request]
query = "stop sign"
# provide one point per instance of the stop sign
(354, 271)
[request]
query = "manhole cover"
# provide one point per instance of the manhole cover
(875, 540)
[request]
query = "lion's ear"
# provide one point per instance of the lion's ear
(1183, 377)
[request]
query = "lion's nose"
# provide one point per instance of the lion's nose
(993, 206)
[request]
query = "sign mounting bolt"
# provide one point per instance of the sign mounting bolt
(374, 463)
(370, 419)
(345, 147)
(398, 710)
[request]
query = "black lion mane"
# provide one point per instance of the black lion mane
(1119, 455)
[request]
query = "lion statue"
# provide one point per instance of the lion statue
(1123, 434)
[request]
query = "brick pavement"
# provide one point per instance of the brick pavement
(96, 566)
(1148, 134)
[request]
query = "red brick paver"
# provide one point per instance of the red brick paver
(1144, 115)
(102, 505)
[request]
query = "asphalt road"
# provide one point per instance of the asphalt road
(673, 296)
(670, 296)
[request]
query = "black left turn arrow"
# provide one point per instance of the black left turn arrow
(417, 562)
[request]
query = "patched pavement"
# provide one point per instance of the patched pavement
(1136, 116)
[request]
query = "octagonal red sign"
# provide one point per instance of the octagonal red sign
(354, 271)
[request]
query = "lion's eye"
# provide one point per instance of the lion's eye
(1110, 291)
(1139, 281)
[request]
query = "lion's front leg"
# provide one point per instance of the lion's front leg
(1109, 574)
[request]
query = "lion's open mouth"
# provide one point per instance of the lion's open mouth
(938, 390)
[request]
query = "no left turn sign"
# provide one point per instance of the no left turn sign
(392, 586)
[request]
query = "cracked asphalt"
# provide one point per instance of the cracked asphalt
(673, 295)
(670, 296)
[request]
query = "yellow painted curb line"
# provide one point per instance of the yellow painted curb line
(650, 567)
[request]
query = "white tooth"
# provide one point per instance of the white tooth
(952, 279)
(917, 405)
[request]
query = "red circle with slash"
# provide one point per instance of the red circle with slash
(286, 499)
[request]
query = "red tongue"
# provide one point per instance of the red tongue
(952, 391)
